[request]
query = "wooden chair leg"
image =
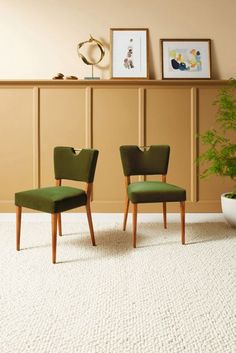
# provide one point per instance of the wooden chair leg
(164, 215)
(90, 222)
(18, 226)
(59, 224)
(182, 211)
(54, 237)
(135, 210)
(126, 213)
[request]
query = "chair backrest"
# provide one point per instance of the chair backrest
(148, 162)
(72, 166)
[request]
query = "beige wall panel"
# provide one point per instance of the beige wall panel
(37, 116)
(17, 144)
(168, 121)
(209, 189)
(44, 34)
(62, 123)
(115, 122)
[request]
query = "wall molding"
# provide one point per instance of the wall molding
(110, 83)
(88, 117)
(36, 140)
(132, 117)
(194, 105)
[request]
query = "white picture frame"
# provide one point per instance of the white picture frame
(129, 53)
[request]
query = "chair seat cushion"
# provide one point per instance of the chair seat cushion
(51, 199)
(155, 191)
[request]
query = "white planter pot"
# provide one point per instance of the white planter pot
(229, 209)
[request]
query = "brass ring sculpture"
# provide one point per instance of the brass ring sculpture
(100, 46)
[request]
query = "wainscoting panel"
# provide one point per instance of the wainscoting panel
(115, 122)
(209, 189)
(62, 121)
(36, 116)
(168, 122)
(17, 152)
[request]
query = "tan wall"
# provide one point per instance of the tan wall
(36, 116)
(39, 38)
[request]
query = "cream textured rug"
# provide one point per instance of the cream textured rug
(161, 297)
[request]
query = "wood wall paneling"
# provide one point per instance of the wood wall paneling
(168, 121)
(63, 115)
(17, 144)
(36, 116)
(115, 122)
(211, 188)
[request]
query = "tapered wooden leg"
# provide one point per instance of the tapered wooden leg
(126, 213)
(90, 222)
(182, 211)
(135, 210)
(18, 226)
(54, 237)
(164, 215)
(59, 224)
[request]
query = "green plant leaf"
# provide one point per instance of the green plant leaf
(220, 141)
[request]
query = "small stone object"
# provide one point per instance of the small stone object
(59, 76)
(71, 78)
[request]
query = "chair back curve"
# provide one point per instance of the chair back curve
(155, 160)
(75, 166)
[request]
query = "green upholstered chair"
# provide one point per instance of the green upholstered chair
(152, 160)
(56, 199)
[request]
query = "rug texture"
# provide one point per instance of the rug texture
(160, 297)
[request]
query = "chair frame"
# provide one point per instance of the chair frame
(135, 212)
(56, 224)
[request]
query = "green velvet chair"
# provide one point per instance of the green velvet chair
(56, 199)
(152, 160)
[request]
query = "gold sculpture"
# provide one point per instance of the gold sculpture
(85, 60)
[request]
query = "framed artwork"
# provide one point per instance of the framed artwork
(129, 53)
(186, 58)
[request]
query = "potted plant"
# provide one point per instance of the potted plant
(220, 154)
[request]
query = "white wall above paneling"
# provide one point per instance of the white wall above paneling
(39, 38)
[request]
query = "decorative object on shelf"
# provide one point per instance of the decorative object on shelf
(58, 76)
(221, 152)
(71, 78)
(100, 46)
(129, 53)
(186, 58)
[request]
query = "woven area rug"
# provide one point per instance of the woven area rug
(160, 297)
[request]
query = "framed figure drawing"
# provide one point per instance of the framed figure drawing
(129, 53)
(186, 58)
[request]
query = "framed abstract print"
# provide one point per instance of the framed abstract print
(129, 53)
(186, 58)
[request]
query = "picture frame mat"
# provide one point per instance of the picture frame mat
(181, 46)
(120, 41)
